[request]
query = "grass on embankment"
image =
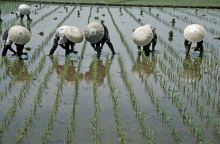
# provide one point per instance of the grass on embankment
(170, 3)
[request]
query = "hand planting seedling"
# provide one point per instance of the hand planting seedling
(18, 35)
(66, 36)
(194, 33)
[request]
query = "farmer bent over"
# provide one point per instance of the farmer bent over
(18, 35)
(97, 34)
(66, 37)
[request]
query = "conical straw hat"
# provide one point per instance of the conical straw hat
(194, 33)
(142, 35)
(24, 9)
(19, 35)
(73, 34)
(61, 29)
(94, 32)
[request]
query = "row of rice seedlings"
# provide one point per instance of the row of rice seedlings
(128, 49)
(215, 14)
(124, 42)
(8, 7)
(19, 101)
(25, 89)
(201, 17)
(8, 117)
(176, 137)
(33, 111)
(164, 114)
(48, 38)
(72, 124)
(118, 123)
(184, 89)
(162, 111)
(44, 16)
(187, 20)
(188, 119)
(182, 86)
(195, 90)
(52, 116)
(145, 129)
(96, 116)
(157, 17)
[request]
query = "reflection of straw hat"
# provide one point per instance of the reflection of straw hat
(194, 33)
(73, 34)
(24, 9)
(94, 32)
(19, 35)
(142, 35)
(191, 71)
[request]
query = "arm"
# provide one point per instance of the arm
(187, 45)
(154, 41)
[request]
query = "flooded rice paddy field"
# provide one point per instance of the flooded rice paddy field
(163, 98)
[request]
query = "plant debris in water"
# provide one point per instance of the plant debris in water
(41, 33)
(28, 48)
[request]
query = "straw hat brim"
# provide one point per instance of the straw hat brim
(61, 29)
(142, 35)
(24, 9)
(73, 34)
(194, 33)
(19, 35)
(94, 32)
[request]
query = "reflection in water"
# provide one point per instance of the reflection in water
(144, 66)
(71, 72)
(17, 70)
(101, 72)
(27, 25)
(191, 72)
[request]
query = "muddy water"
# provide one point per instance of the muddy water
(84, 107)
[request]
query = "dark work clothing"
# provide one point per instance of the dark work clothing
(146, 48)
(22, 16)
(106, 39)
(199, 47)
(7, 46)
(64, 46)
(5, 35)
(0, 15)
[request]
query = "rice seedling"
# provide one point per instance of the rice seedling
(112, 87)
(145, 129)
(71, 126)
(44, 16)
(52, 116)
(95, 120)
(37, 100)
(8, 117)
